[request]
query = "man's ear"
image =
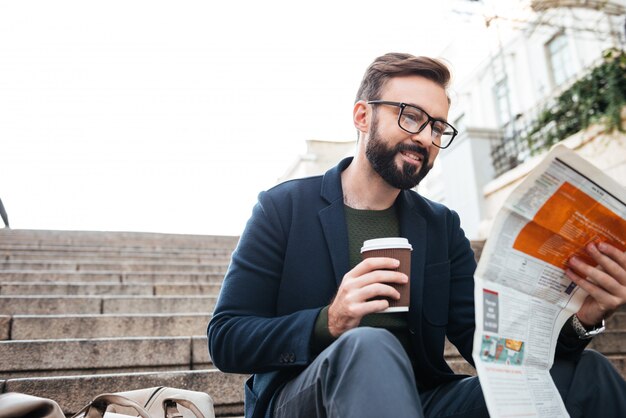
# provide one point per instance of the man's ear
(361, 115)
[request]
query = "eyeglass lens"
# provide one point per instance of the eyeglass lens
(415, 120)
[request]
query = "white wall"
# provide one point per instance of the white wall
(458, 178)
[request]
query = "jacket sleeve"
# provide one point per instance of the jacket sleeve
(244, 334)
(569, 346)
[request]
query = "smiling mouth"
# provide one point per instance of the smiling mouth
(412, 156)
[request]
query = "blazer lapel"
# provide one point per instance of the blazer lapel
(333, 220)
(336, 233)
(413, 228)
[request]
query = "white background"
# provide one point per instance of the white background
(171, 116)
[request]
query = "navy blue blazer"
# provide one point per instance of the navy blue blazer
(289, 262)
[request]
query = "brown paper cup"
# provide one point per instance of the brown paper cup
(400, 249)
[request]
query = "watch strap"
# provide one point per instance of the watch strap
(584, 333)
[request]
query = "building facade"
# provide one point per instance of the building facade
(534, 54)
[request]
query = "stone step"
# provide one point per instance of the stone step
(158, 304)
(209, 289)
(143, 257)
(76, 288)
(610, 342)
(91, 277)
(63, 305)
(116, 238)
(108, 288)
(104, 250)
(47, 276)
(619, 361)
(66, 266)
(119, 247)
(129, 251)
(50, 305)
(44, 276)
(41, 327)
(100, 250)
(74, 392)
(174, 278)
(617, 322)
(39, 358)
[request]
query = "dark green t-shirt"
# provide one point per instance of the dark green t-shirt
(363, 225)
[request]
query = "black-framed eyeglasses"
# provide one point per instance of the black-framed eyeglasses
(413, 120)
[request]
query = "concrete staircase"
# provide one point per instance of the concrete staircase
(82, 313)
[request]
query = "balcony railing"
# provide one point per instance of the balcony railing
(598, 97)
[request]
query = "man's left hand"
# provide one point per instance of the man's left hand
(605, 283)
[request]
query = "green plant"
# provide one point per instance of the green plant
(596, 98)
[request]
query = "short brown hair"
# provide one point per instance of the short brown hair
(397, 64)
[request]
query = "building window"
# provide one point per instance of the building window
(503, 103)
(559, 59)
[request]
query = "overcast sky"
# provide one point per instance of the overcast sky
(168, 116)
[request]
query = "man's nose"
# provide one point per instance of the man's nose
(424, 137)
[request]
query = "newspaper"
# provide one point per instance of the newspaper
(523, 297)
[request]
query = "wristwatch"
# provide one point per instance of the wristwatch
(584, 333)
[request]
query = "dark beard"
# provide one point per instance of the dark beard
(382, 159)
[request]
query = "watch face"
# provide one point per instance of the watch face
(597, 330)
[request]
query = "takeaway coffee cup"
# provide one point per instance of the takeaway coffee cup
(400, 249)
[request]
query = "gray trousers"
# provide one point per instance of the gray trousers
(366, 373)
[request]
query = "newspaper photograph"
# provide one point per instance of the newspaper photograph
(523, 297)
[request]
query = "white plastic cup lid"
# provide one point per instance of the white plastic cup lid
(386, 243)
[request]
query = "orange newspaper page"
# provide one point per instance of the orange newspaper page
(569, 220)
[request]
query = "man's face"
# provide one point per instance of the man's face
(400, 158)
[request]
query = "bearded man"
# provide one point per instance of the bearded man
(300, 311)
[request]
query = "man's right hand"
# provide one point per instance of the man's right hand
(364, 282)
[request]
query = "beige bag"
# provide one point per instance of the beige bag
(159, 402)
(18, 405)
